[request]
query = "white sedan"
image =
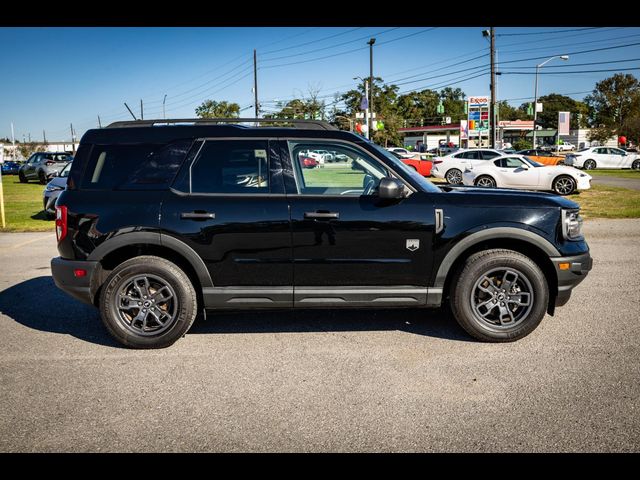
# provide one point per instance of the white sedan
(602, 157)
(403, 152)
(450, 167)
(518, 171)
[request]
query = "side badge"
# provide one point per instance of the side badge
(413, 244)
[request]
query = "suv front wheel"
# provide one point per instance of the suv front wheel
(148, 302)
(499, 295)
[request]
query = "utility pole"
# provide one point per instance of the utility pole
(370, 115)
(134, 117)
(367, 110)
(99, 123)
(73, 140)
(44, 137)
(164, 114)
(492, 110)
(29, 137)
(255, 83)
(141, 111)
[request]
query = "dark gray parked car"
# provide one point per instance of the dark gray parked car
(41, 166)
(57, 184)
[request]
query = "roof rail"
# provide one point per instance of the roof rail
(308, 124)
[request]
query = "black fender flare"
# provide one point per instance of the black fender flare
(155, 238)
(491, 234)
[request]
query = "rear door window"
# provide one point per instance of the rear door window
(133, 167)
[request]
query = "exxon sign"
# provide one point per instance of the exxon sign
(477, 102)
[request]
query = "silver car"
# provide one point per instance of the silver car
(51, 192)
(42, 166)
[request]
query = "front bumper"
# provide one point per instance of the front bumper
(78, 287)
(579, 267)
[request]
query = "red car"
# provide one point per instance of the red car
(308, 162)
(421, 163)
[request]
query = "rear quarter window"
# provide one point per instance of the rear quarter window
(134, 167)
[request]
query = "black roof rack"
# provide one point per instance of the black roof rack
(305, 124)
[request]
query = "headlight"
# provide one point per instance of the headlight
(53, 188)
(571, 224)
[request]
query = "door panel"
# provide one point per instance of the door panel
(344, 235)
(366, 245)
(236, 218)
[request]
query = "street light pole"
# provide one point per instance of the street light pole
(369, 117)
(535, 98)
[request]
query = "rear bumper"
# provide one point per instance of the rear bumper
(78, 287)
(579, 267)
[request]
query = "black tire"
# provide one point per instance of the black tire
(485, 181)
(590, 165)
(636, 164)
(453, 176)
(42, 177)
(564, 185)
(22, 178)
(157, 269)
(467, 283)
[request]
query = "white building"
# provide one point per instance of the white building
(9, 153)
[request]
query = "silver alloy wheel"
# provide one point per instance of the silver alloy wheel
(146, 305)
(564, 185)
(589, 165)
(454, 176)
(502, 298)
(636, 165)
(485, 182)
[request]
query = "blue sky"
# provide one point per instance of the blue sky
(56, 76)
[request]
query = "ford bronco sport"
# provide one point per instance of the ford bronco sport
(164, 219)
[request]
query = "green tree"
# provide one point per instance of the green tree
(613, 101)
(28, 148)
(554, 103)
(507, 112)
(214, 109)
(600, 134)
(453, 100)
(418, 108)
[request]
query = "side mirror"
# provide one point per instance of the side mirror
(524, 166)
(55, 174)
(390, 188)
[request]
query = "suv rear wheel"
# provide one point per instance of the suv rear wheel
(499, 295)
(148, 302)
(42, 177)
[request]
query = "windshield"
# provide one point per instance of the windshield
(65, 170)
(425, 184)
(533, 162)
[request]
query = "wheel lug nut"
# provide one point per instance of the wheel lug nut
(139, 303)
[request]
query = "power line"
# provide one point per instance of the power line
(311, 42)
(576, 71)
(572, 44)
(573, 53)
(569, 65)
(547, 32)
(322, 48)
(602, 30)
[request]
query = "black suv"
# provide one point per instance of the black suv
(162, 220)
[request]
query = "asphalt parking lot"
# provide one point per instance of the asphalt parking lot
(322, 380)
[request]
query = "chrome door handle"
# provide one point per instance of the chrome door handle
(321, 215)
(197, 215)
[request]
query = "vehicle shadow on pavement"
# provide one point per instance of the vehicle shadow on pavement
(37, 303)
(427, 322)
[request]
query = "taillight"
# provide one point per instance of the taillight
(61, 222)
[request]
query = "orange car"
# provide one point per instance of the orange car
(421, 163)
(542, 156)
